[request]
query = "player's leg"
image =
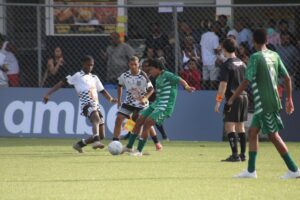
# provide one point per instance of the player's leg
(240, 129)
(97, 120)
(153, 135)
(136, 130)
(230, 131)
(162, 131)
(118, 124)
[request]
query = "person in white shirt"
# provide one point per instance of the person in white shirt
(3, 70)
(209, 49)
(87, 86)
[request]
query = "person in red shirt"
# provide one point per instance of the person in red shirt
(192, 74)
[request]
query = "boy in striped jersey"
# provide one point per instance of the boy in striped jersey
(263, 70)
(161, 108)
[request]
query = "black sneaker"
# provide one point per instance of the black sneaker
(232, 158)
(243, 157)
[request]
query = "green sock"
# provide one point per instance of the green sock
(131, 140)
(289, 162)
(251, 161)
(141, 144)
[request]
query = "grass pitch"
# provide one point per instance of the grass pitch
(45, 169)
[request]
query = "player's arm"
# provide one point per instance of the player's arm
(52, 90)
(186, 85)
(220, 95)
(108, 96)
(120, 93)
(289, 105)
(238, 91)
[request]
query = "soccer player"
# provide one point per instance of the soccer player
(161, 108)
(263, 70)
(87, 85)
(231, 76)
(138, 89)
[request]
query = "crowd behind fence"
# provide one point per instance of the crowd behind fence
(43, 43)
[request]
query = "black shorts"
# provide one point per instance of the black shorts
(128, 110)
(238, 111)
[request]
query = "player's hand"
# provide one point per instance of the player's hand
(114, 100)
(217, 106)
(190, 89)
(143, 100)
(45, 99)
(289, 106)
(227, 107)
(119, 104)
(229, 102)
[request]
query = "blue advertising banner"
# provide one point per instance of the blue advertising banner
(24, 114)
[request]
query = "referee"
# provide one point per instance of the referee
(231, 76)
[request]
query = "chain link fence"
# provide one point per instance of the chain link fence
(49, 41)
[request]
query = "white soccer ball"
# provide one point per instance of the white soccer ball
(115, 148)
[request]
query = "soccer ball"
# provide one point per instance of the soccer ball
(115, 148)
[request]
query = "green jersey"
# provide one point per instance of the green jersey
(263, 70)
(166, 92)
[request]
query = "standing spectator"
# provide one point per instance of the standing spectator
(191, 74)
(209, 50)
(204, 27)
(245, 34)
(273, 35)
(56, 69)
(157, 39)
(12, 63)
(222, 19)
(283, 27)
(243, 53)
(117, 56)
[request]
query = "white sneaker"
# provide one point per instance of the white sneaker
(136, 153)
(246, 174)
(97, 145)
(128, 150)
(289, 174)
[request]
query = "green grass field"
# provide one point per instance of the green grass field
(44, 169)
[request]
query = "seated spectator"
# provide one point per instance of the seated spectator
(191, 73)
(243, 53)
(12, 63)
(56, 69)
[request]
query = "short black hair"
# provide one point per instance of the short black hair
(229, 45)
(156, 63)
(260, 36)
(87, 58)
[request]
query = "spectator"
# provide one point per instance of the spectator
(204, 27)
(184, 31)
(209, 50)
(56, 69)
(3, 71)
(243, 53)
(222, 19)
(189, 50)
(283, 27)
(156, 40)
(191, 73)
(170, 54)
(289, 54)
(272, 35)
(12, 63)
(117, 56)
(245, 34)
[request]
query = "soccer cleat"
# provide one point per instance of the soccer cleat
(128, 150)
(136, 153)
(246, 174)
(289, 174)
(232, 158)
(243, 157)
(158, 146)
(77, 147)
(97, 145)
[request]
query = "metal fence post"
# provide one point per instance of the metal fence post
(176, 35)
(39, 45)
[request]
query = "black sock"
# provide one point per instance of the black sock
(242, 137)
(116, 139)
(162, 131)
(233, 142)
(96, 138)
(81, 144)
(154, 138)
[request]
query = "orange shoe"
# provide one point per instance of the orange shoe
(158, 146)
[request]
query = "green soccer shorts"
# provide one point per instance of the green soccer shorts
(267, 122)
(155, 114)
